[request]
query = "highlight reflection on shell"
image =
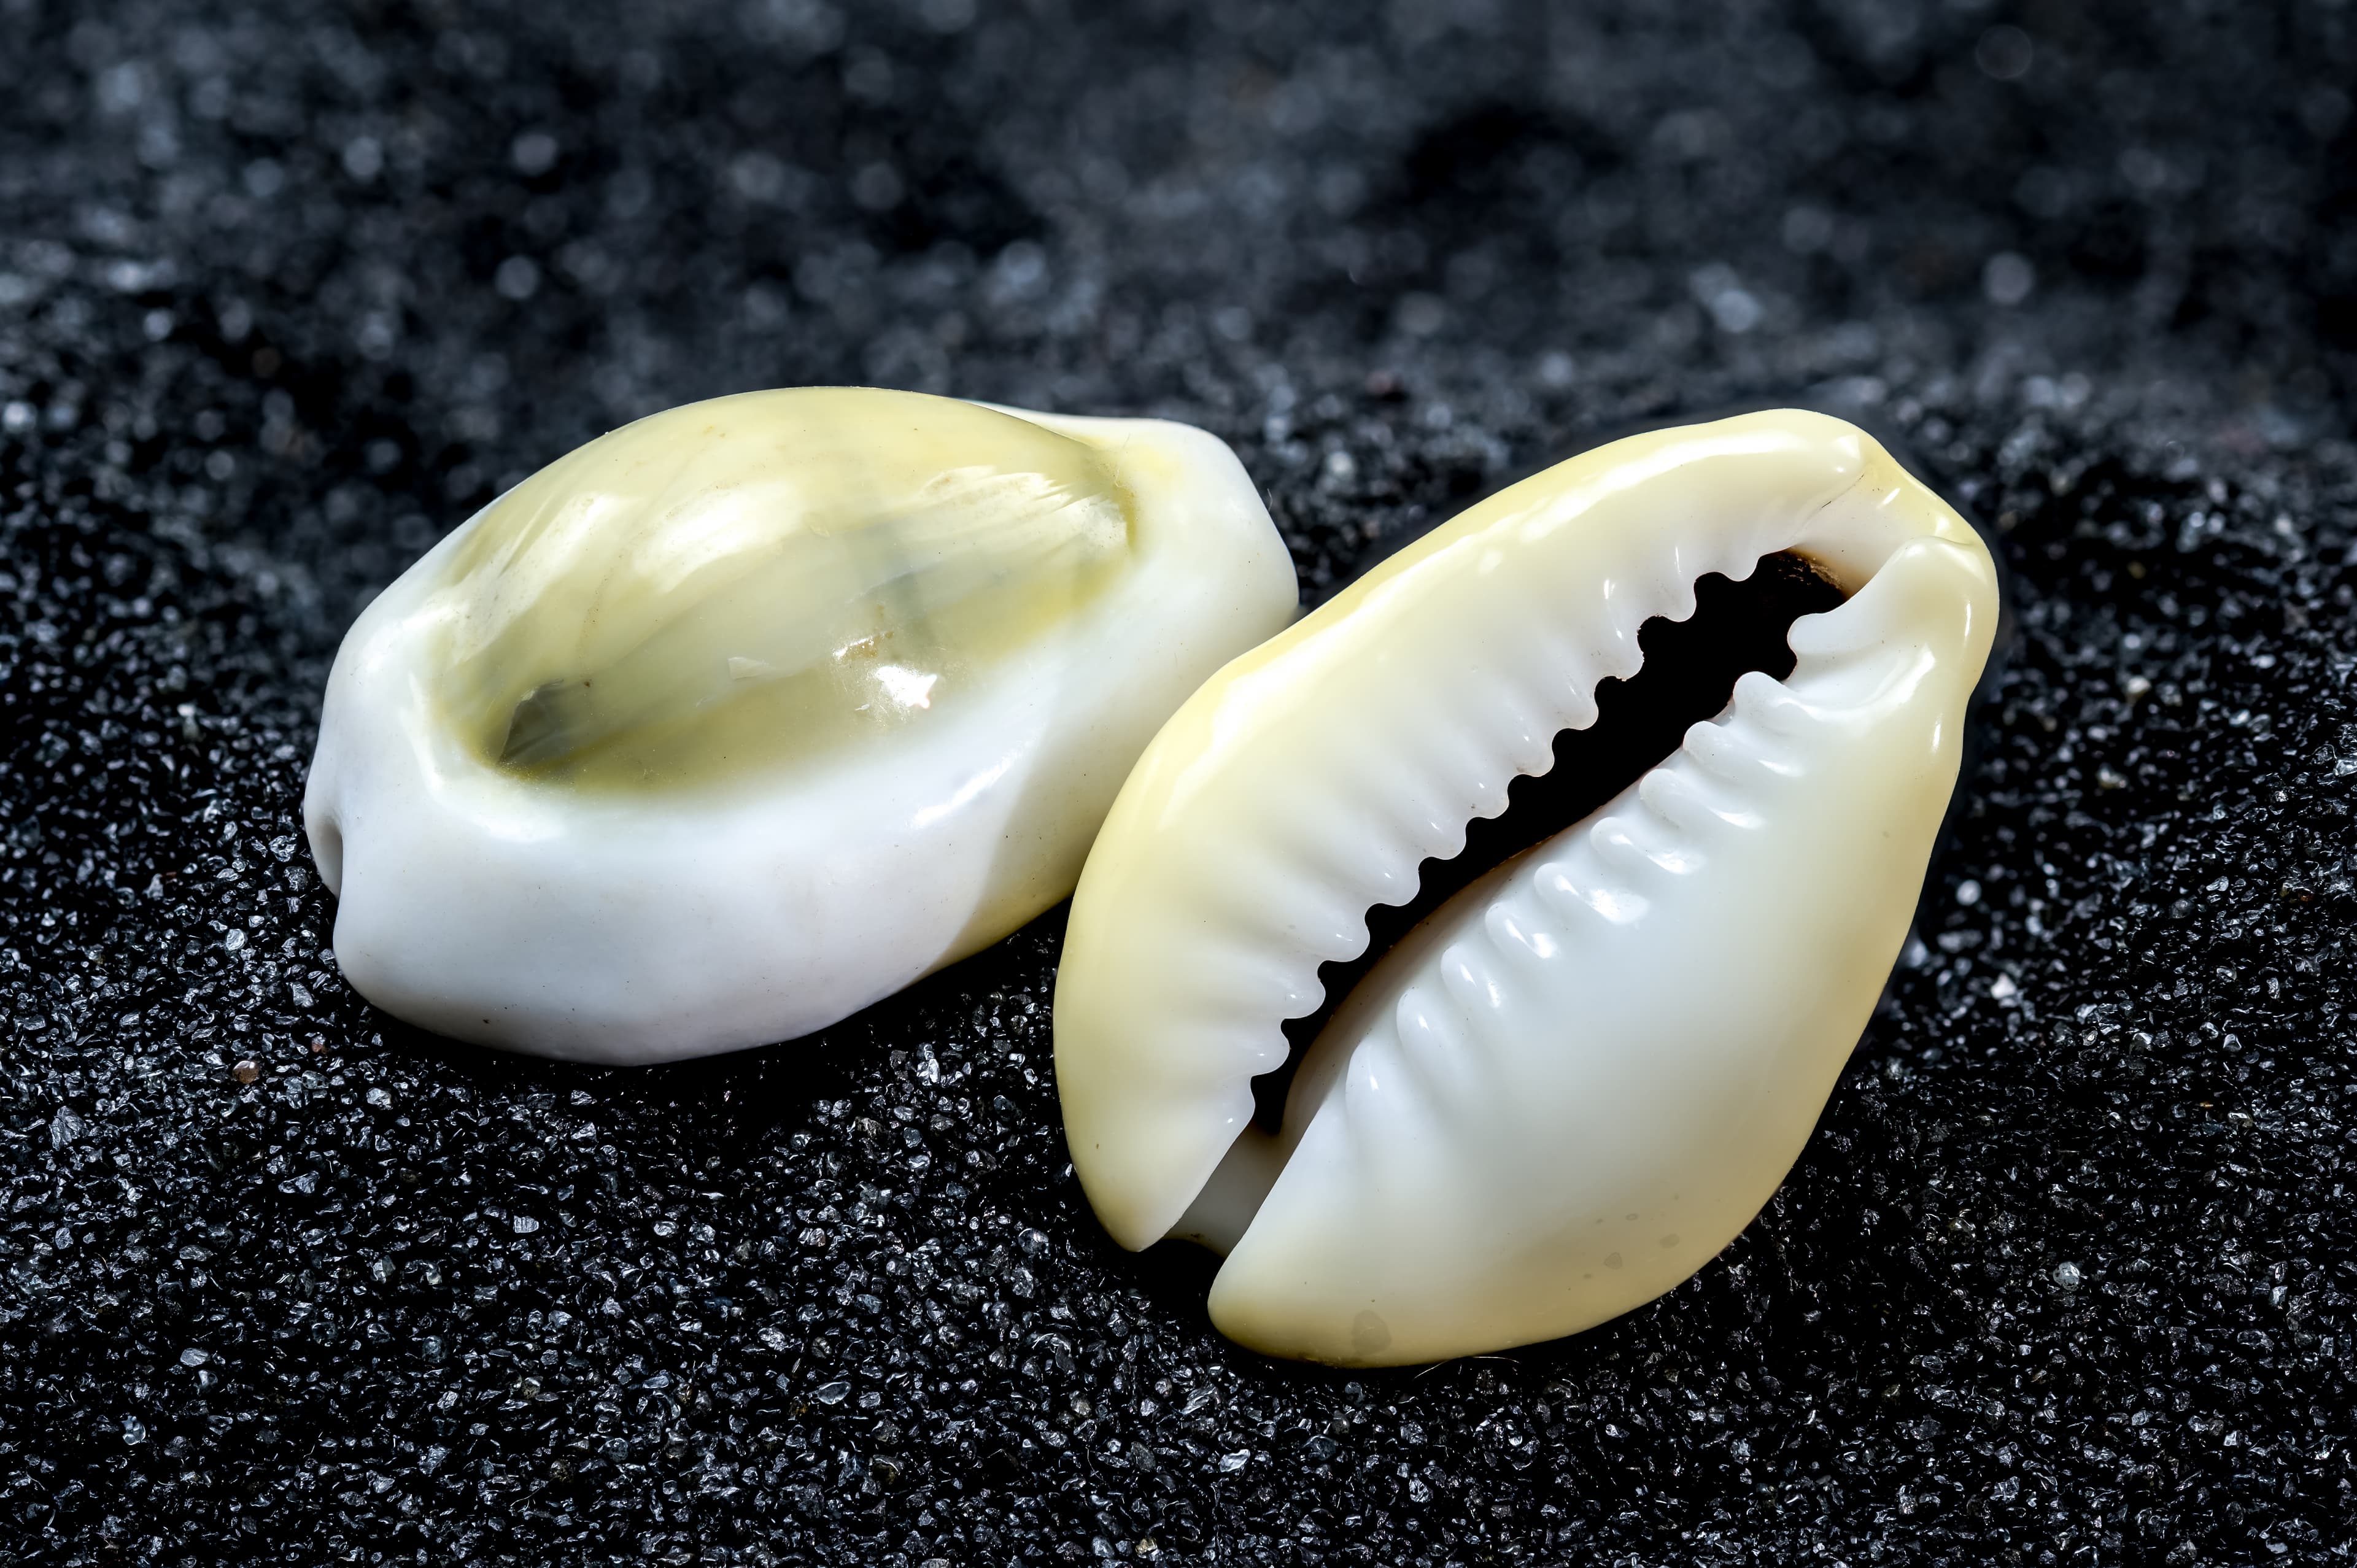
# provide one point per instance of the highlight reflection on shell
(744, 715)
(1576, 1081)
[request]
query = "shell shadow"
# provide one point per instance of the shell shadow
(741, 1103)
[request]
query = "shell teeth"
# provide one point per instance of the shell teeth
(741, 717)
(1570, 677)
(1729, 754)
(1685, 804)
(1513, 933)
(1607, 1050)
(1763, 700)
(1469, 979)
(1320, 862)
(1571, 888)
(1636, 843)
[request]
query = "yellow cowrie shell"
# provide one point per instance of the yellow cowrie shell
(1575, 1082)
(744, 715)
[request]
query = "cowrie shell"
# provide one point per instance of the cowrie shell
(747, 714)
(1568, 1089)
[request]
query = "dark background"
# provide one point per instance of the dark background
(2066, 1275)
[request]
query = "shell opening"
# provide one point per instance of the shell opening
(1688, 674)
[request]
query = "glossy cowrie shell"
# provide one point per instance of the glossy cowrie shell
(747, 714)
(1572, 1084)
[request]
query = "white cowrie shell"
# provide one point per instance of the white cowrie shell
(747, 714)
(1571, 1086)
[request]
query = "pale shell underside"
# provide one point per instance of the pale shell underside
(1580, 1078)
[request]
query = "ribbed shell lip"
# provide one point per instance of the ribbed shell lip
(1311, 777)
(1591, 1072)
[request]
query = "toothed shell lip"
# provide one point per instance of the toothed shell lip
(1154, 1063)
(492, 910)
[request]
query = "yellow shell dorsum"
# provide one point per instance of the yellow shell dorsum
(744, 716)
(1576, 1079)
(748, 582)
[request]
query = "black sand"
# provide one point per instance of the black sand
(2066, 1276)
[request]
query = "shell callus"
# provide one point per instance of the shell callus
(744, 715)
(1573, 1082)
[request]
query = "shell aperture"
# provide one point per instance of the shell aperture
(1568, 1089)
(744, 715)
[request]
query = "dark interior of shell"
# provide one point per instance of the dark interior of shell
(1689, 673)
